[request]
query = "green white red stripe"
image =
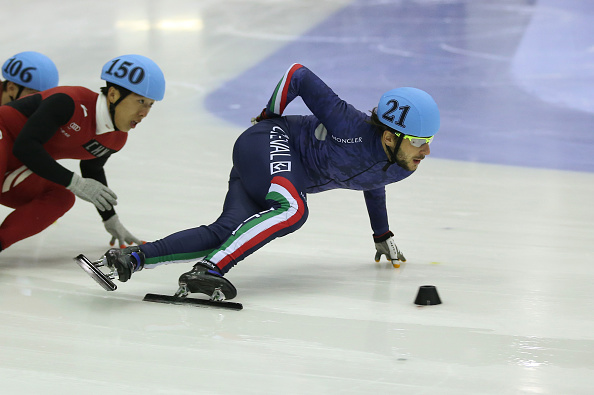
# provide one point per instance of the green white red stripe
(261, 228)
(151, 263)
(278, 102)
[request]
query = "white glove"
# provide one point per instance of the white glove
(115, 228)
(386, 245)
(93, 191)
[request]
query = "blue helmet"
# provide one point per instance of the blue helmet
(410, 111)
(32, 70)
(136, 73)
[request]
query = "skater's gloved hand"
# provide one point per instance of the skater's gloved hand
(263, 116)
(93, 191)
(115, 228)
(259, 117)
(386, 245)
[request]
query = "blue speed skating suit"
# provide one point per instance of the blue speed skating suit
(276, 163)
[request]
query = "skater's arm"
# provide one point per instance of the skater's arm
(94, 168)
(52, 113)
(317, 96)
(375, 200)
(385, 244)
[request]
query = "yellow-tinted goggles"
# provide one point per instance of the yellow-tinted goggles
(416, 141)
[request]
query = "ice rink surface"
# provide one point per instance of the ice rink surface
(499, 218)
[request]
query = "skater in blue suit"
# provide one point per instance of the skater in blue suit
(281, 159)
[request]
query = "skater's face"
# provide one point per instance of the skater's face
(12, 92)
(130, 111)
(408, 156)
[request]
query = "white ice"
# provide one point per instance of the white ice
(508, 248)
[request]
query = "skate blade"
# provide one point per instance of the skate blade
(168, 299)
(94, 272)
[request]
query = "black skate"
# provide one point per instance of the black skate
(92, 268)
(201, 279)
(206, 279)
(121, 263)
(125, 261)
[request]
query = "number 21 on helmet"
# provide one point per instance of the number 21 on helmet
(410, 111)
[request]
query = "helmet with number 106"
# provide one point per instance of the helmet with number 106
(31, 70)
(136, 73)
(410, 111)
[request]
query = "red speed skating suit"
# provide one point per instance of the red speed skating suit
(37, 130)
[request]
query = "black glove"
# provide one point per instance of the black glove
(386, 245)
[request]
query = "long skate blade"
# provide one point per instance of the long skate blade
(96, 274)
(191, 301)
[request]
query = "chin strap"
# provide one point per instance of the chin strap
(18, 95)
(392, 153)
(112, 107)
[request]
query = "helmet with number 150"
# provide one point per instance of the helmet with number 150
(137, 74)
(31, 70)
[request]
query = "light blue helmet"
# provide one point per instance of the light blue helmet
(136, 73)
(410, 111)
(32, 70)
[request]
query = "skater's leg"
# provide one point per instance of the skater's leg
(5, 150)
(286, 214)
(37, 204)
(187, 245)
(272, 176)
(287, 211)
(192, 244)
(266, 199)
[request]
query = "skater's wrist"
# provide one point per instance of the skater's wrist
(383, 237)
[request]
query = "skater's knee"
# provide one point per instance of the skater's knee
(60, 198)
(292, 211)
(283, 196)
(218, 231)
(68, 201)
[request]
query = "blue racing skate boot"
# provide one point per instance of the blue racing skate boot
(207, 279)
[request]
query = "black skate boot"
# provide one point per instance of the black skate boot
(206, 278)
(126, 261)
